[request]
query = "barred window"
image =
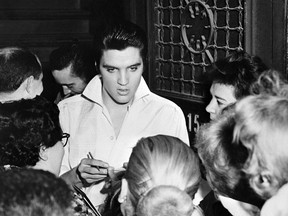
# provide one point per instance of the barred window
(189, 36)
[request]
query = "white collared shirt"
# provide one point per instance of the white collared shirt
(88, 122)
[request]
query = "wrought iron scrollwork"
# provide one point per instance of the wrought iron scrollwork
(197, 27)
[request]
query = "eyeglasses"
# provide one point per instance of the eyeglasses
(65, 137)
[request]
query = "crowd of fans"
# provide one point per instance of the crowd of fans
(109, 146)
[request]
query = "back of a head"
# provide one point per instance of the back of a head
(270, 82)
(239, 70)
(224, 159)
(162, 160)
(80, 57)
(34, 192)
(165, 201)
(16, 65)
(262, 124)
(26, 126)
(119, 36)
(214, 145)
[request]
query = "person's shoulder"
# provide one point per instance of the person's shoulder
(162, 101)
(73, 101)
(167, 106)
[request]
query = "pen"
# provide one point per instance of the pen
(90, 156)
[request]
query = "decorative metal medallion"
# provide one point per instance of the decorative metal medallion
(197, 27)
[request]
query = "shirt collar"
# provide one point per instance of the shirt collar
(93, 90)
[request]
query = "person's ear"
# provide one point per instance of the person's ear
(124, 191)
(30, 85)
(43, 153)
(264, 184)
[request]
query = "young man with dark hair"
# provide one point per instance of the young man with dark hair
(115, 110)
(72, 66)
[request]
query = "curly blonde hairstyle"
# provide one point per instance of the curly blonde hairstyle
(261, 126)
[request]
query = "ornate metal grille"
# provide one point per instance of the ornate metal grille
(189, 36)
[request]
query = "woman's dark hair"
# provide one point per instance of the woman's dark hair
(239, 70)
(25, 127)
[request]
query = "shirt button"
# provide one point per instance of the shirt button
(111, 137)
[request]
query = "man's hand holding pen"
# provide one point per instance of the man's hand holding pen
(91, 171)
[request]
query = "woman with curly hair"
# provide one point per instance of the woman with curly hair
(31, 135)
(261, 127)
